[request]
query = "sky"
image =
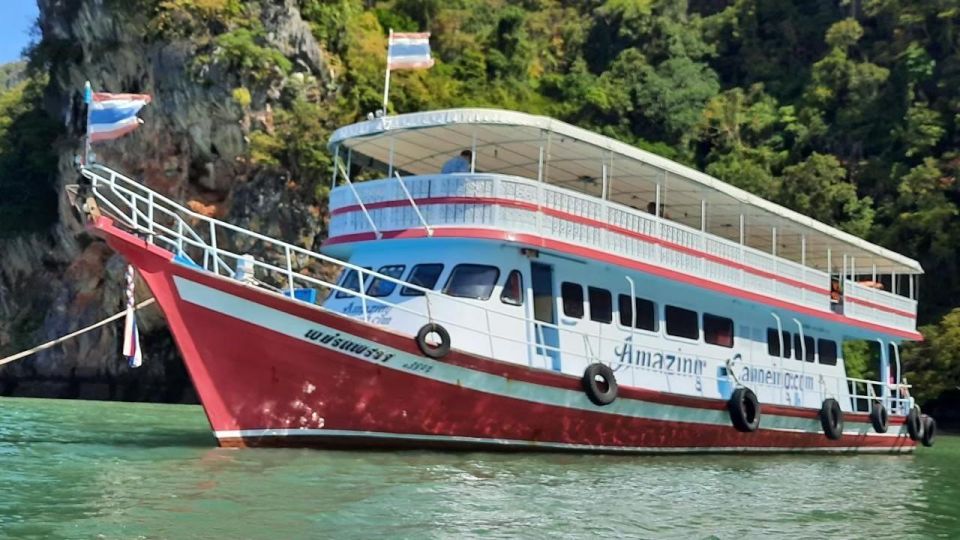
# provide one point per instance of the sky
(16, 19)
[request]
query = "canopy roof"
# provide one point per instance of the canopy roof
(509, 142)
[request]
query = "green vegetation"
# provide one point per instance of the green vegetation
(28, 163)
(846, 111)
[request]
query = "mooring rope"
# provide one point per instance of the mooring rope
(72, 335)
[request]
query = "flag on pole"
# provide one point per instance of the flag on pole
(405, 51)
(409, 51)
(131, 336)
(110, 116)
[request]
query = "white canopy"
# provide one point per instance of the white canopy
(509, 142)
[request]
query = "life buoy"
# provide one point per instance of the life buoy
(744, 410)
(600, 384)
(929, 430)
(914, 425)
(831, 418)
(439, 344)
(879, 417)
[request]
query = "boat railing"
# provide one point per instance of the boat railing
(519, 204)
(285, 269)
(865, 394)
(878, 305)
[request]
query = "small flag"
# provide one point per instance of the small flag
(409, 51)
(112, 115)
(131, 341)
(131, 336)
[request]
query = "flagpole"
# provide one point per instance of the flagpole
(88, 98)
(386, 79)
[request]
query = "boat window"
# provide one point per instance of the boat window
(717, 330)
(383, 287)
(351, 281)
(572, 295)
(422, 275)
(828, 351)
(808, 348)
(601, 304)
(513, 289)
(474, 281)
(682, 322)
(773, 343)
(646, 312)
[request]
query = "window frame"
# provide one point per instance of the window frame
(600, 292)
(718, 318)
(836, 352)
(811, 348)
(654, 319)
(393, 284)
(407, 291)
(503, 289)
(787, 343)
(666, 324)
(360, 286)
(453, 274)
(563, 299)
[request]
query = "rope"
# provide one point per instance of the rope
(72, 335)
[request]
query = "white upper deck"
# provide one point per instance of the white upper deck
(557, 153)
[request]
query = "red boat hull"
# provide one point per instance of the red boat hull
(271, 371)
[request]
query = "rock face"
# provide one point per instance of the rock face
(192, 147)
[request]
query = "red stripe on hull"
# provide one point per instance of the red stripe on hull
(253, 378)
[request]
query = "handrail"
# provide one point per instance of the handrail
(374, 184)
(774, 275)
(156, 204)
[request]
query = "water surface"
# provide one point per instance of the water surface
(71, 469)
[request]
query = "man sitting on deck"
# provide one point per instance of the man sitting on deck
(458, 164)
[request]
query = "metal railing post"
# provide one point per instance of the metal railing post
(363, 296)
(289, 270)
(213, 246)
(150, 215)
(179, 236)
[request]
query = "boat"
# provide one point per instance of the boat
(508, 281)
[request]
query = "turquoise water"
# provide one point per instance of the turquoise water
(73, 469)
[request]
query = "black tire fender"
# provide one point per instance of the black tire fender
(433, 350)
(744, 410)
(831, 418)
(600, 384)
(914, 425)
(929, 430)
(879, 417)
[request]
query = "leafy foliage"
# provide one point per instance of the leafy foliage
(845, 111)
(28, 201)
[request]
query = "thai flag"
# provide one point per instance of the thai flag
(112, 115)
(409, 51)
(131, 340)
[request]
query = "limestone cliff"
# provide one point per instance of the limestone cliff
(194, 146)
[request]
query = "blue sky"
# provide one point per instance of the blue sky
(16, 19)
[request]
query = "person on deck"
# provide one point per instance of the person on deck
(458, 164)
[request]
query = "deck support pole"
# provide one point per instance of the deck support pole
(390, 159)
(473, 152)
(604, 181)
(336, 170)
